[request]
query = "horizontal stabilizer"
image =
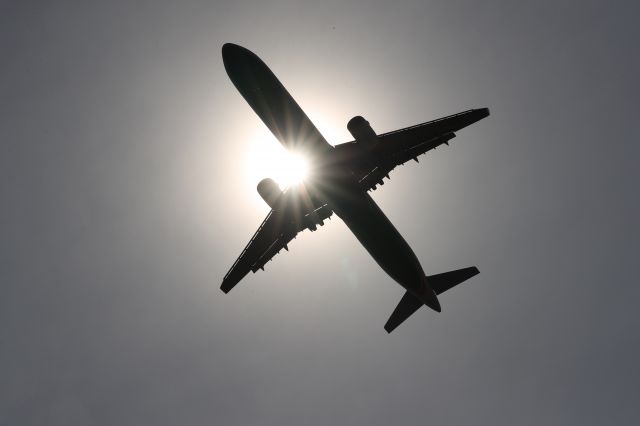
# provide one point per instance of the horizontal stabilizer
(439, 283)
(443, 282)
(407, 306)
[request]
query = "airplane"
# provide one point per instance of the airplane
(339, 181)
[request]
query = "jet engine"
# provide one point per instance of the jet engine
(362, 131)
(269, 191)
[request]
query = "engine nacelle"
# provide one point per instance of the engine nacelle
(362, 131)
(269, 191)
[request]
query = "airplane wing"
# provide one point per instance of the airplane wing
(273, 235)
(397, 147)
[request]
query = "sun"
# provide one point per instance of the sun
(293, 169)
(268, 158)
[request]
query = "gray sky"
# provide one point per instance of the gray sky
(125, 199)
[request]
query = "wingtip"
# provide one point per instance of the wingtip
(225, 287)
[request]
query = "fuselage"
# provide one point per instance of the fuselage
(333, 181)
(376, 233)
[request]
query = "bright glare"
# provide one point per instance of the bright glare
(268, 158)
(295, 169)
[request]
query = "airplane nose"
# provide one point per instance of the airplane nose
(231, 50)
(228, 50)
(233, 57)
(238, 61)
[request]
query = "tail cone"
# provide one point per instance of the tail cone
(431, 300)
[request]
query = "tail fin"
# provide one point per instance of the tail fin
(439, 283)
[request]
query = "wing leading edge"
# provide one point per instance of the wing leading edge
(274, 234)
(399, 146)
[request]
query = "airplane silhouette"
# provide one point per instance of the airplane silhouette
(339, 181)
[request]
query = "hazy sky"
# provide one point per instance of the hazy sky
(125, 197)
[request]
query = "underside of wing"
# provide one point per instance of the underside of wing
(421, 133)
(274, 234)
(392, 149)
(388, 162)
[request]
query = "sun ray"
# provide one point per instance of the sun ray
(267, 158)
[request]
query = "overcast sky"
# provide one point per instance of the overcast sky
(125, 197)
